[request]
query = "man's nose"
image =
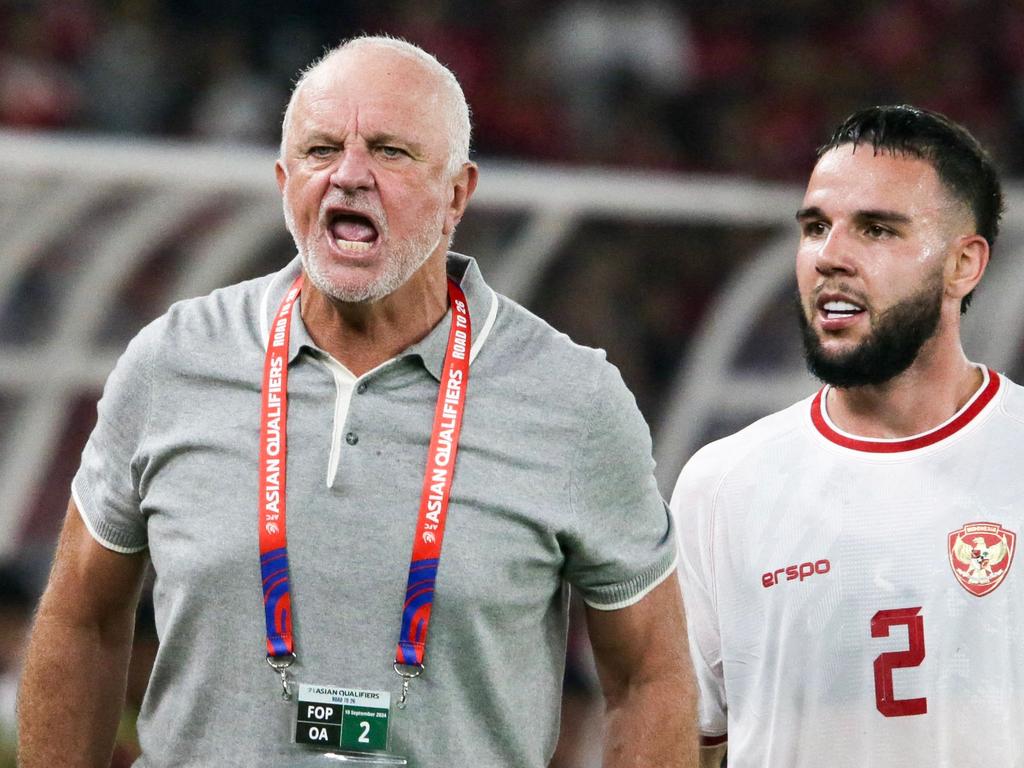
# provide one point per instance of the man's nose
(835, 255)
(353, 170)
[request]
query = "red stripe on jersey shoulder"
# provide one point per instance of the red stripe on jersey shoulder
(982, 398)
(713, 741)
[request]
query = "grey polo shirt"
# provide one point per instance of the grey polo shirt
(553, 486)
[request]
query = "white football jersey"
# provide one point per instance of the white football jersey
(854, 602)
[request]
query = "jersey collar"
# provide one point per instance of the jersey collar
(985, 394)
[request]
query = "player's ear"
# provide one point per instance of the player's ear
(967, 265)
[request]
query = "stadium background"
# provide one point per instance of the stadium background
(640, 163)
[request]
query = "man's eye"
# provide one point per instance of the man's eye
(815, 228)
(391, 152)
(320, 151)
(877, 231)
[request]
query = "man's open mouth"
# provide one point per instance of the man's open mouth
(352, 231)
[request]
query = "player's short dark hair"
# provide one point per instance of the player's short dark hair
(963, 165)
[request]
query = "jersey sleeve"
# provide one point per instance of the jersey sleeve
(106, 488)
(692, 508)
(620, 543)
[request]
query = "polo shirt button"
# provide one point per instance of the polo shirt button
(351, 438)
(361, 388)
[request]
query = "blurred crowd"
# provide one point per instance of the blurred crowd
(741, 87)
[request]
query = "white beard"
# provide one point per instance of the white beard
(402, 261)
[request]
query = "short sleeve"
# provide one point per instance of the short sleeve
(106, 486)
(692, 508)
(620, 544)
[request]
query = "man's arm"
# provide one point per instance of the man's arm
(647, 680)
(72, 689)
(712, 757)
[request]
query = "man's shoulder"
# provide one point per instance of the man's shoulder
(1012, 400)
(524, 339)
(739, 462)
(514, 340)
(1007, 415)
(227, 315)
(754, 445)
(529, 365)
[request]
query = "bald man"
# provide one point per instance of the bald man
(366, 484)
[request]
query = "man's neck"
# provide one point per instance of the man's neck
(363, 335)
(936, 385)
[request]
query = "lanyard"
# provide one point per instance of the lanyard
(433, 512)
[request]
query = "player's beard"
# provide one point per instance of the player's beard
(401, 262)
(894, 342)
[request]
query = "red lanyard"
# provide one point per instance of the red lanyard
(437, 483)
(277, 598)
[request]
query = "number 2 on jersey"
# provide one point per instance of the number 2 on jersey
(885, 663)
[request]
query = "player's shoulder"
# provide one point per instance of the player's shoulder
(756, 445)
(1009, 407)
(1012, 400)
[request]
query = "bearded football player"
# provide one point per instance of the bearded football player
(847, 563)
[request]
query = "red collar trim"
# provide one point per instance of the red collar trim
(974, 406)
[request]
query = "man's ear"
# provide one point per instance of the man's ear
(463, 186)
(281, 174)
(967, 267)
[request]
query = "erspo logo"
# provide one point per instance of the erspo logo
(428, 537)
(794, 572)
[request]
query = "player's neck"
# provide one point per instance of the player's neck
(936, 385)
(362, 336)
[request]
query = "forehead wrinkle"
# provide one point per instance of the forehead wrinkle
(437, 97)
(373, 85)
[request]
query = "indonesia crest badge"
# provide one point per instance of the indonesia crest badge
(980, 555)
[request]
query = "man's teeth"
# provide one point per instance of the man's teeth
(843, 308)
(352, 245)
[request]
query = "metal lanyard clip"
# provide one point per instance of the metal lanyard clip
(402, 670)
(280, 665)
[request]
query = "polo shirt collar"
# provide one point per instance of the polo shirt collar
(270, 302)
(482, 303)
(431, 349)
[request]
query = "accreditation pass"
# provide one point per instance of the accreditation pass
(345, 718)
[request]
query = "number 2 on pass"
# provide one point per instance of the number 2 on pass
(885, 663)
